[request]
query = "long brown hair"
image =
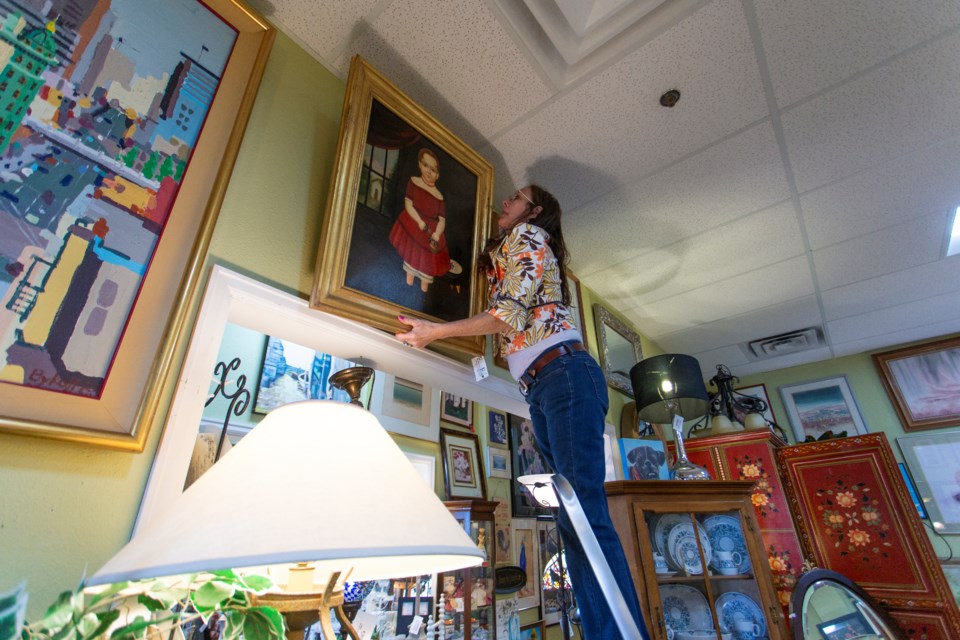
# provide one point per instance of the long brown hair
(549, 220)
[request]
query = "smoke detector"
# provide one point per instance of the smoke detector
(784, 343)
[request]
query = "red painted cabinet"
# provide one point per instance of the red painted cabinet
(856, 518)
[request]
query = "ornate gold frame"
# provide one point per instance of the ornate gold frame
(157, 328)
(329, 293)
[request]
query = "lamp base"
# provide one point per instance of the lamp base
(300, 610)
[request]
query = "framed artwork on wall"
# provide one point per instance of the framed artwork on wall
(923, 383)
(525, 459)
(533, 631)
(457, 409)
(498, 463)
(409, 208)
(497, 428)
(819, 406)
(103, 269)
(462, 469)
(406, 407)
(758, 391)
(525, 554)
(934, 461)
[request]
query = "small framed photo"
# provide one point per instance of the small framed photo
(533, 631)
(406, 407)
(497, 424)
(819, 406)
(758, 391)
(644, 459)
(410, 608)
(933, 460)
(462, 470)
(457, 409)
(526, 555)
(498, 463)
(923, 382)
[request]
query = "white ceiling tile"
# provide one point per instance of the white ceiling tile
(893, 319)
(740, 175)
(750, 325)
(897, 108)
(813, 44)
(908, 334)
(728, 251)
(900, 246)
(771, 364)
(321, 27)
(708, 57)
(916, 283)
(478, 97)
(909, 186)
(764, 287)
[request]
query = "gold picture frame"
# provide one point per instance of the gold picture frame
(359, 273)
(156, 326)
(918, 382)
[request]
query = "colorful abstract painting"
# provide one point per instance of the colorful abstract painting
(101, 106)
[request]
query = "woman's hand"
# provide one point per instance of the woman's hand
(422, 332)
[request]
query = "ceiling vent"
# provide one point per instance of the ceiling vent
(779, 345)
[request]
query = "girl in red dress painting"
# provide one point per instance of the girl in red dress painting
(417, 234)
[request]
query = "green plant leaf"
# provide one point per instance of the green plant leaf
(155, 604)
(210, 595)
(110, 591)
(60, 612)
(135, 629)
(92, 625)
(257, 583)
(263, 623)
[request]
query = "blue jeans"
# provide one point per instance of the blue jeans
(568, 404)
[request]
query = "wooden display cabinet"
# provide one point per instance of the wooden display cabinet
(856, 517)
(751, 455)
(469, 594)
(714, 574)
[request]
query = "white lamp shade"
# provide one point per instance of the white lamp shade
(316, 481)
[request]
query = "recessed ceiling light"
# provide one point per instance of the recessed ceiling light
(953, 242)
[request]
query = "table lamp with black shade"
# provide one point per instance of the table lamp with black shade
(316, 494)
(669, 389)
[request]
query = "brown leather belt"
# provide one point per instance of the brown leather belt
(546, 358)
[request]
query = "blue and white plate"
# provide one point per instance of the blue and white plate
(725, 534)
(682, 544)
(685, 607)
(733, 606)
(661, 529)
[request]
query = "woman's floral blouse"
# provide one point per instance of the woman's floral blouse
(525, 289)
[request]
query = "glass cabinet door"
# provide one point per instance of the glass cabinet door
(704, 574)
(469, 600)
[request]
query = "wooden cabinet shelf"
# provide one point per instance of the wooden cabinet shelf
(705, 535)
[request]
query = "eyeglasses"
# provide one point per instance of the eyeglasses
(521, 194)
